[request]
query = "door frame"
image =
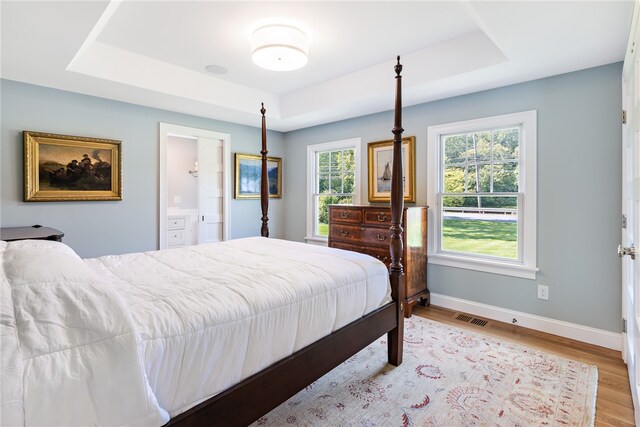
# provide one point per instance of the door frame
(630, 164)
(165, 131)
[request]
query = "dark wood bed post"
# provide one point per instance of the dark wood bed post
(396, 273)
(264, 189)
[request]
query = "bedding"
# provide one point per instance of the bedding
(135, 339)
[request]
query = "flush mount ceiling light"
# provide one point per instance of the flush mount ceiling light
(279, 47)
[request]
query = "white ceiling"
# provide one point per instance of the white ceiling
(154, 53)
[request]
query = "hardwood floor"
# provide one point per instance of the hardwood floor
(614, 405)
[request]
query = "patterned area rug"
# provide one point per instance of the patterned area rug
(449, 377)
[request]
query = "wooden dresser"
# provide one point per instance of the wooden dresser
(365, 229)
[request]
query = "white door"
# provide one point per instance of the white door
(210, 190)
(631, 215)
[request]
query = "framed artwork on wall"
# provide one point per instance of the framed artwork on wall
(249, 176)
(66, 168)
(380, 155)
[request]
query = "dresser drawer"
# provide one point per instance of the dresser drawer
(175, 237)
(348, 247)
(380, 254)
(176, 223)
(377, 217)
(346, 214)
(346, 232)
(376, 236)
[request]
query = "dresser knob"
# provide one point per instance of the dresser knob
(344, 215)
(344, 233)
(381, 237)
(382, 217)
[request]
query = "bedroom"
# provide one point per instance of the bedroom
(578, 113)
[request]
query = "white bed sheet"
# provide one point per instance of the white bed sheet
(133, 339)
(210, 316)
(70, 350)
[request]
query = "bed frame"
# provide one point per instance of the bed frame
(254, 397)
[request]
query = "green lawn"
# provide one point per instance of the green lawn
(481, 237)
(323, 229)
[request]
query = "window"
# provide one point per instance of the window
(332, 179)
(483, 190)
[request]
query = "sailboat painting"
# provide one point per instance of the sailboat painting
(381, 165)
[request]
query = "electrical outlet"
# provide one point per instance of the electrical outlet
(543, 292)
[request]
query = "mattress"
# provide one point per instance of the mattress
(197, 319)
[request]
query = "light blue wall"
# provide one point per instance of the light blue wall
(579, 174)
(579, 190)
(98, 228)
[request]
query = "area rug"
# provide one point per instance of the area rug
(449, 377)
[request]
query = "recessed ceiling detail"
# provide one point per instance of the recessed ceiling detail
(155, 53)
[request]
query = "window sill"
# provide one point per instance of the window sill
(320, 241)
(487, 266)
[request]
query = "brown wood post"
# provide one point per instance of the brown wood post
(396, 271)
(264, 189)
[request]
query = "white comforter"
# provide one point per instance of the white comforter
(134, 339)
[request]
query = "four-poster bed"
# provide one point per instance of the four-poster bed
(146, 338)
(257, 395)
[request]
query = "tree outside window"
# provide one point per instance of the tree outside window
(335, 184)
(485, 164)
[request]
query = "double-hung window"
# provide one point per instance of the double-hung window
(483, 190)
(333, 173)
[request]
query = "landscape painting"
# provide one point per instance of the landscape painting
(249, 176)
(64, 168)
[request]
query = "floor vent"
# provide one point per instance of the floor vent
(464, 317)
(479, 322)
(470, 319)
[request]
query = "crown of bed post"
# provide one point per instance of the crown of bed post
(396, 273)
(264, 188)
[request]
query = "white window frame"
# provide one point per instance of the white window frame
(354, 143)
(526, 265)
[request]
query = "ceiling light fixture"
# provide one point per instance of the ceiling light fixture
(279, 47)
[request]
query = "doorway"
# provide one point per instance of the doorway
(194, 186)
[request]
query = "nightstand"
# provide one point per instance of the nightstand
(36, 232)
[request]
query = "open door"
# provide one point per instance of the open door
(631, 212)
(210, 190)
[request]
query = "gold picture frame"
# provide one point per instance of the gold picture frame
(380, 156)
(249, 175)
(71, 168)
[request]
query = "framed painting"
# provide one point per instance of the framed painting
(65, 168)
(380, 156)
(249, 176)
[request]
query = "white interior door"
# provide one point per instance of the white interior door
(631, 215)
(210, 190)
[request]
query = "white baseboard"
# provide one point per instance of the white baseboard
(586, 334)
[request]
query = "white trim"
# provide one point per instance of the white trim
(356, 143)
(527, 221)
(485, 265)
(318, 241)
(574, 331)
(166, 130)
